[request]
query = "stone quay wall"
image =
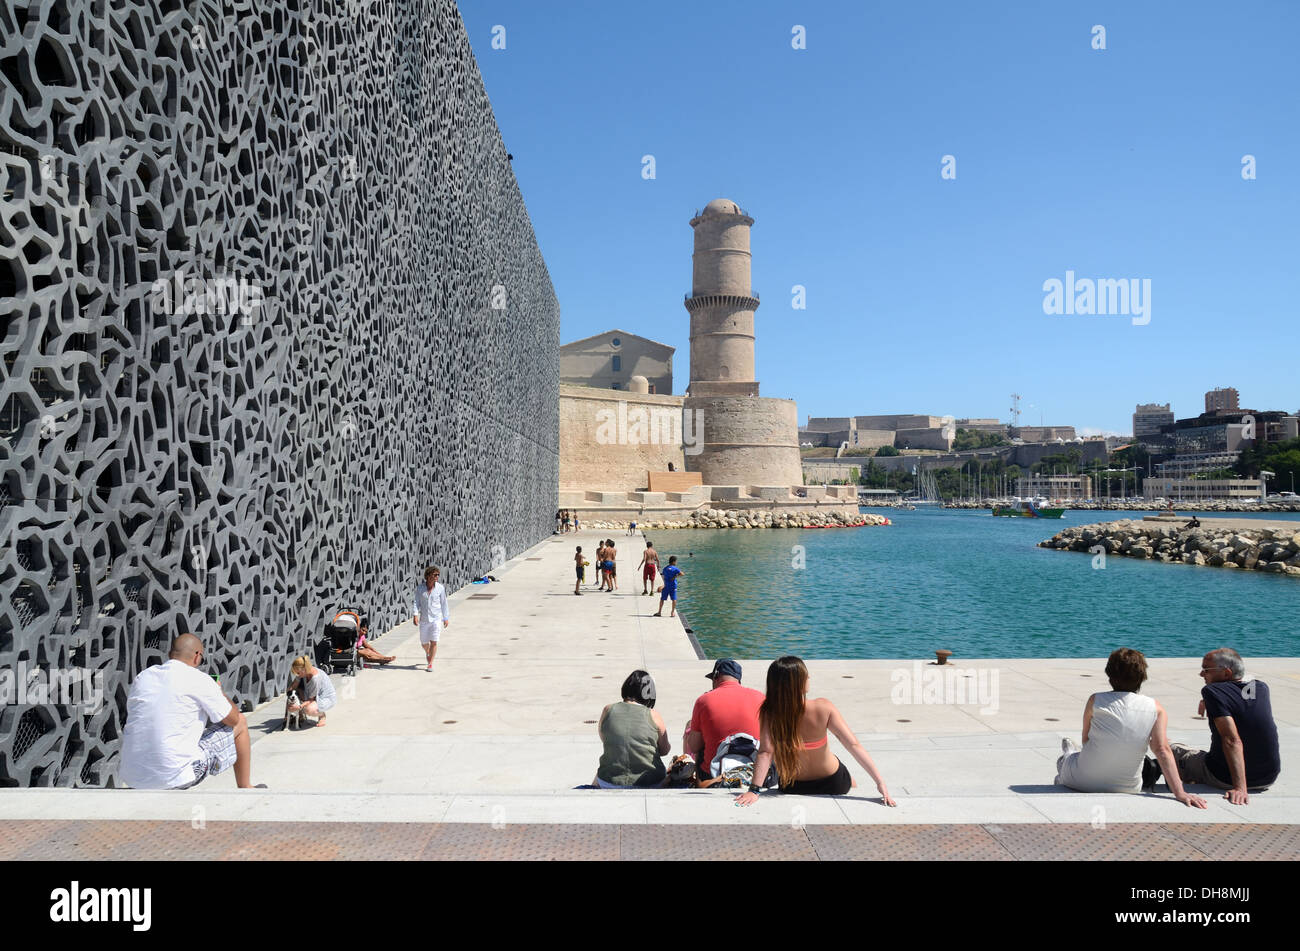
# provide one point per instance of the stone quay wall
(277, 334)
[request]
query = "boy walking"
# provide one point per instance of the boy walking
(649, 565)
(610, 555)
(671, 574)
(579, 564)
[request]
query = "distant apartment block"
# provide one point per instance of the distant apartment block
(1193, 489)
(1273, 427)
(609, 360)
(1149, 417)
(1231, 431)
(1185, 465)
(1055, 487)
(1223, 399)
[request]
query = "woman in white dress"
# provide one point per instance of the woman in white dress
(1118, 726)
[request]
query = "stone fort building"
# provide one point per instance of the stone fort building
(634, 453)
(748, 439)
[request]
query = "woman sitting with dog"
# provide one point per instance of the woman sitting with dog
(793, 733)
(313, 689)
(635, 738)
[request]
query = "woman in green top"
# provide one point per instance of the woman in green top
(634, 736)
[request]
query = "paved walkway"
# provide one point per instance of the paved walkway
(242, 841)
(503, 729)
(1217, 523)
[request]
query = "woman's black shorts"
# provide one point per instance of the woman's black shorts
(837, 783)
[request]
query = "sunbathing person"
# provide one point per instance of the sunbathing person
(794, 735)
(353, 620)
(314, 688)
(1118, 726)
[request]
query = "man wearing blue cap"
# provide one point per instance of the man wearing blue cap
(726, 709)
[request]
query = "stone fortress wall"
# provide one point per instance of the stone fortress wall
(747, 440)
(610, 439)
(171, 464)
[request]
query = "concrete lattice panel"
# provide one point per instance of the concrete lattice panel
(391, 402)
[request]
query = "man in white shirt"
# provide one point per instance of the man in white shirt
(431, 614)
(180, 727)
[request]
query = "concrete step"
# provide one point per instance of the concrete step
(630, 807)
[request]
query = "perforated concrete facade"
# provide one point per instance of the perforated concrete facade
(275, 332)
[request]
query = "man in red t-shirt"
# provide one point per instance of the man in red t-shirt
(726, 709)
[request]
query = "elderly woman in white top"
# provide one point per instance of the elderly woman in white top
(1118, 726)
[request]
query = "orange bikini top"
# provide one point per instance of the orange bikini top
(815, 746)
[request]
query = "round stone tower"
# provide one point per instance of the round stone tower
(741, 438)
(722, 303)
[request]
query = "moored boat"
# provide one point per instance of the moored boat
(1027, 509)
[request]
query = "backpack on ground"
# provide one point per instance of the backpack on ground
(733, 766)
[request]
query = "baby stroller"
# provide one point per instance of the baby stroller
(337, 649)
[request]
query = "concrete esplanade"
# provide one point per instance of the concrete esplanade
(747, 439)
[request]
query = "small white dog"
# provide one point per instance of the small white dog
(294, 717)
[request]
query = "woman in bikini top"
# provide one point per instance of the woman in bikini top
(787, 717)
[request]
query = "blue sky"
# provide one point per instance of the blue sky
(925, 294)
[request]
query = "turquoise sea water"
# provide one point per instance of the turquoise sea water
(968, 582)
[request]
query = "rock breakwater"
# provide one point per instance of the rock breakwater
(1264, 549)
(1203, 505)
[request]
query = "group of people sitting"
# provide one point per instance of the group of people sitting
(785, 731)
(783, 734)
(181, 729)
(1121, 724)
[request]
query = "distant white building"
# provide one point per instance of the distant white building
(1055, 487)
(1192, 489)
(1149, 417)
